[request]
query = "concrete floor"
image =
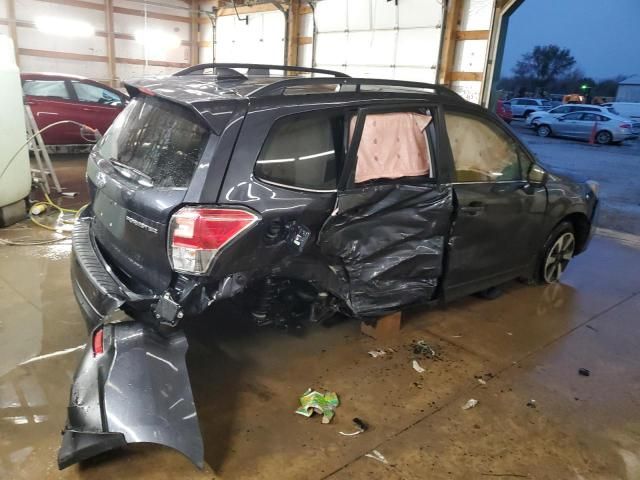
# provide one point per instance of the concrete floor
(528, 344)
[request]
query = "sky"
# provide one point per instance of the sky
(603, 35)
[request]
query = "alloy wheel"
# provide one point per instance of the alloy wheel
(544, 131)
(558, 257)
(603, 138)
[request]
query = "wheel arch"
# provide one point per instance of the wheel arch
(581, 226)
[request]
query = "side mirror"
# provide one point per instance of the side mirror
(537, 175)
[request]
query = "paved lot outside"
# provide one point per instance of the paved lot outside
(616, 167)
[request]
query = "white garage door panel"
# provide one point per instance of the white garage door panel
(418, 47)
(379, 38)
(420, 13)
(259, 41)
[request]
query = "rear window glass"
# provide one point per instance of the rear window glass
(155, 143)
(300, 151)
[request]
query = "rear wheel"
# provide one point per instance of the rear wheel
(543, 130)
(603, 137)
(556, 254)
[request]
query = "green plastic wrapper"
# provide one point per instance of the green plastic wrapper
(324, 404)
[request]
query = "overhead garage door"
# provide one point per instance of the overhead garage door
(377, 38)
(260, 40)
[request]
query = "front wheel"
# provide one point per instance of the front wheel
(543, 130)
(556, 253)
(603, 137)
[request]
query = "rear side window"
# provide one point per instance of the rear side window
(155, 143)
(301, 151)
(46, 88)
(86, 92)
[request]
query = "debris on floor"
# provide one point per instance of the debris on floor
(417, 367)
(420, 347)
(360, 427)
(584, 372)
(472, 402)
(531, 403)
(376, 455)
(381, 352)
(324, 404)
(482, 381)
(484, 378)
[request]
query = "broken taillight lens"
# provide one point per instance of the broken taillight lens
(196, 234)
(98, 342)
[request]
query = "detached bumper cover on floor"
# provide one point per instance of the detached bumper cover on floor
(138, 390)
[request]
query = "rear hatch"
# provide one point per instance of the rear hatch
(138, 175)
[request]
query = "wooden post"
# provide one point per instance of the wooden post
(452, 21)
(194, 56)
(384, 328)
(13, 30)
(293, 19)
(111, 44)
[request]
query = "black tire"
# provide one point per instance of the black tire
(543, 130)
(603, 137)
(555, 254)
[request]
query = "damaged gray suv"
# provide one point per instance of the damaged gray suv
(305, 193)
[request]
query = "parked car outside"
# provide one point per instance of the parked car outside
(626, 109)
(603, 127)
(522, 107)
(503, 110)
(533, 119)
(54, 97)
(308, 196)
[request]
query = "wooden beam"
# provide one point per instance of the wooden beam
(452, 22)
(77, 3)
(158, 16)
(97, 58)
(305, 10)
(260, 8)
(13, 30)
(473, 35)
(293, 28)
(111, 44)
(193, 33)
(205, 43)
(473, 76)
(305, 40)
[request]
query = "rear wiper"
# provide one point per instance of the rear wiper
(138, 173)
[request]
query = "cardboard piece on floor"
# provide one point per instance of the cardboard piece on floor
(386, 327)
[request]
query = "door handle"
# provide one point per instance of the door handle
(473, 208)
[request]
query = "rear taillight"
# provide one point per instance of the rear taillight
(98, 342)
(625, 125)
(196, 234)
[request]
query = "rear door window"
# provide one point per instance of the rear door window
(87, 92)
(394, 145)
(301, 151)
(154, 143)
(46, 88)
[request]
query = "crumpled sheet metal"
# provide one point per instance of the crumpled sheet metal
(390, 240)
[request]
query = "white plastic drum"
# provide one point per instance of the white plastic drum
(15, 182)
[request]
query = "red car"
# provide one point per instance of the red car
(503, 109)
(55, 97)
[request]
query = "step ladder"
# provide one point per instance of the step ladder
(45, 167)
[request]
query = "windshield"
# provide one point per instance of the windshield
(154, 142)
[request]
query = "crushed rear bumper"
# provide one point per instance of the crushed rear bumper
(138, 390)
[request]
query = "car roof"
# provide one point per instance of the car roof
(190, 89)
(47, 75)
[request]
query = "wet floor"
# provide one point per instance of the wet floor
(526, 345)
